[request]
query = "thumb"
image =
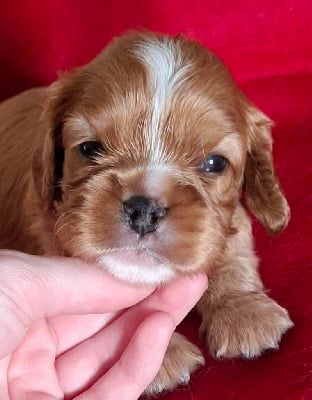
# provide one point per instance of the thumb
(33, 287)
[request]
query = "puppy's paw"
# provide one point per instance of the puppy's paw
(245, 325)
(181, 359)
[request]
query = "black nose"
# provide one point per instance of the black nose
(143, 214)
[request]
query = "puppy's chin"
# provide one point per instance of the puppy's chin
(137, 266)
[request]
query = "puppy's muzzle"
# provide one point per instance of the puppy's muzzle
(143, 214)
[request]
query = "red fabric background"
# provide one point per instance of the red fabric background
(268, 46)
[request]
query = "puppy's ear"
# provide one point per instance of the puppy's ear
(263, 193)
(47, 167)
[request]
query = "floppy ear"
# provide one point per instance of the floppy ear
(263, 193)
(47, 166)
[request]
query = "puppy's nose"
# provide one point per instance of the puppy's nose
(143, 214)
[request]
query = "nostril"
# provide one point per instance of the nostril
(131, 211)
(160, 212)
(127, 208)
(134, 215)
(154, 218)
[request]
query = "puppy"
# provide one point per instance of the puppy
(144, 162)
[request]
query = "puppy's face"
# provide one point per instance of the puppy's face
(144, 163)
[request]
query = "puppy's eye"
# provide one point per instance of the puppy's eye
(90, 149)
(214, 163)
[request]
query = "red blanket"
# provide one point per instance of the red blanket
(268, 46)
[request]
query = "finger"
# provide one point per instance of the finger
(84, 363)
(70, 286)
(34, 287)
(138, 365)
(35, 396)
(31, 369)
(4, 391)
(71, 330)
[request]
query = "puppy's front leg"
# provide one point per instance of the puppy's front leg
(238, 318)
(181, 359)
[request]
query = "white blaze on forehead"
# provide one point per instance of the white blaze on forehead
(155, 179)
(165, 72)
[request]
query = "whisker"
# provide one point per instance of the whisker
(67, 186)
(60, 228)
(66, 244)
(60, 218)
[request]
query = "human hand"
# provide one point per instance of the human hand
(63, 334)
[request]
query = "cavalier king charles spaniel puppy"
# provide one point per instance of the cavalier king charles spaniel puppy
(145, 162)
